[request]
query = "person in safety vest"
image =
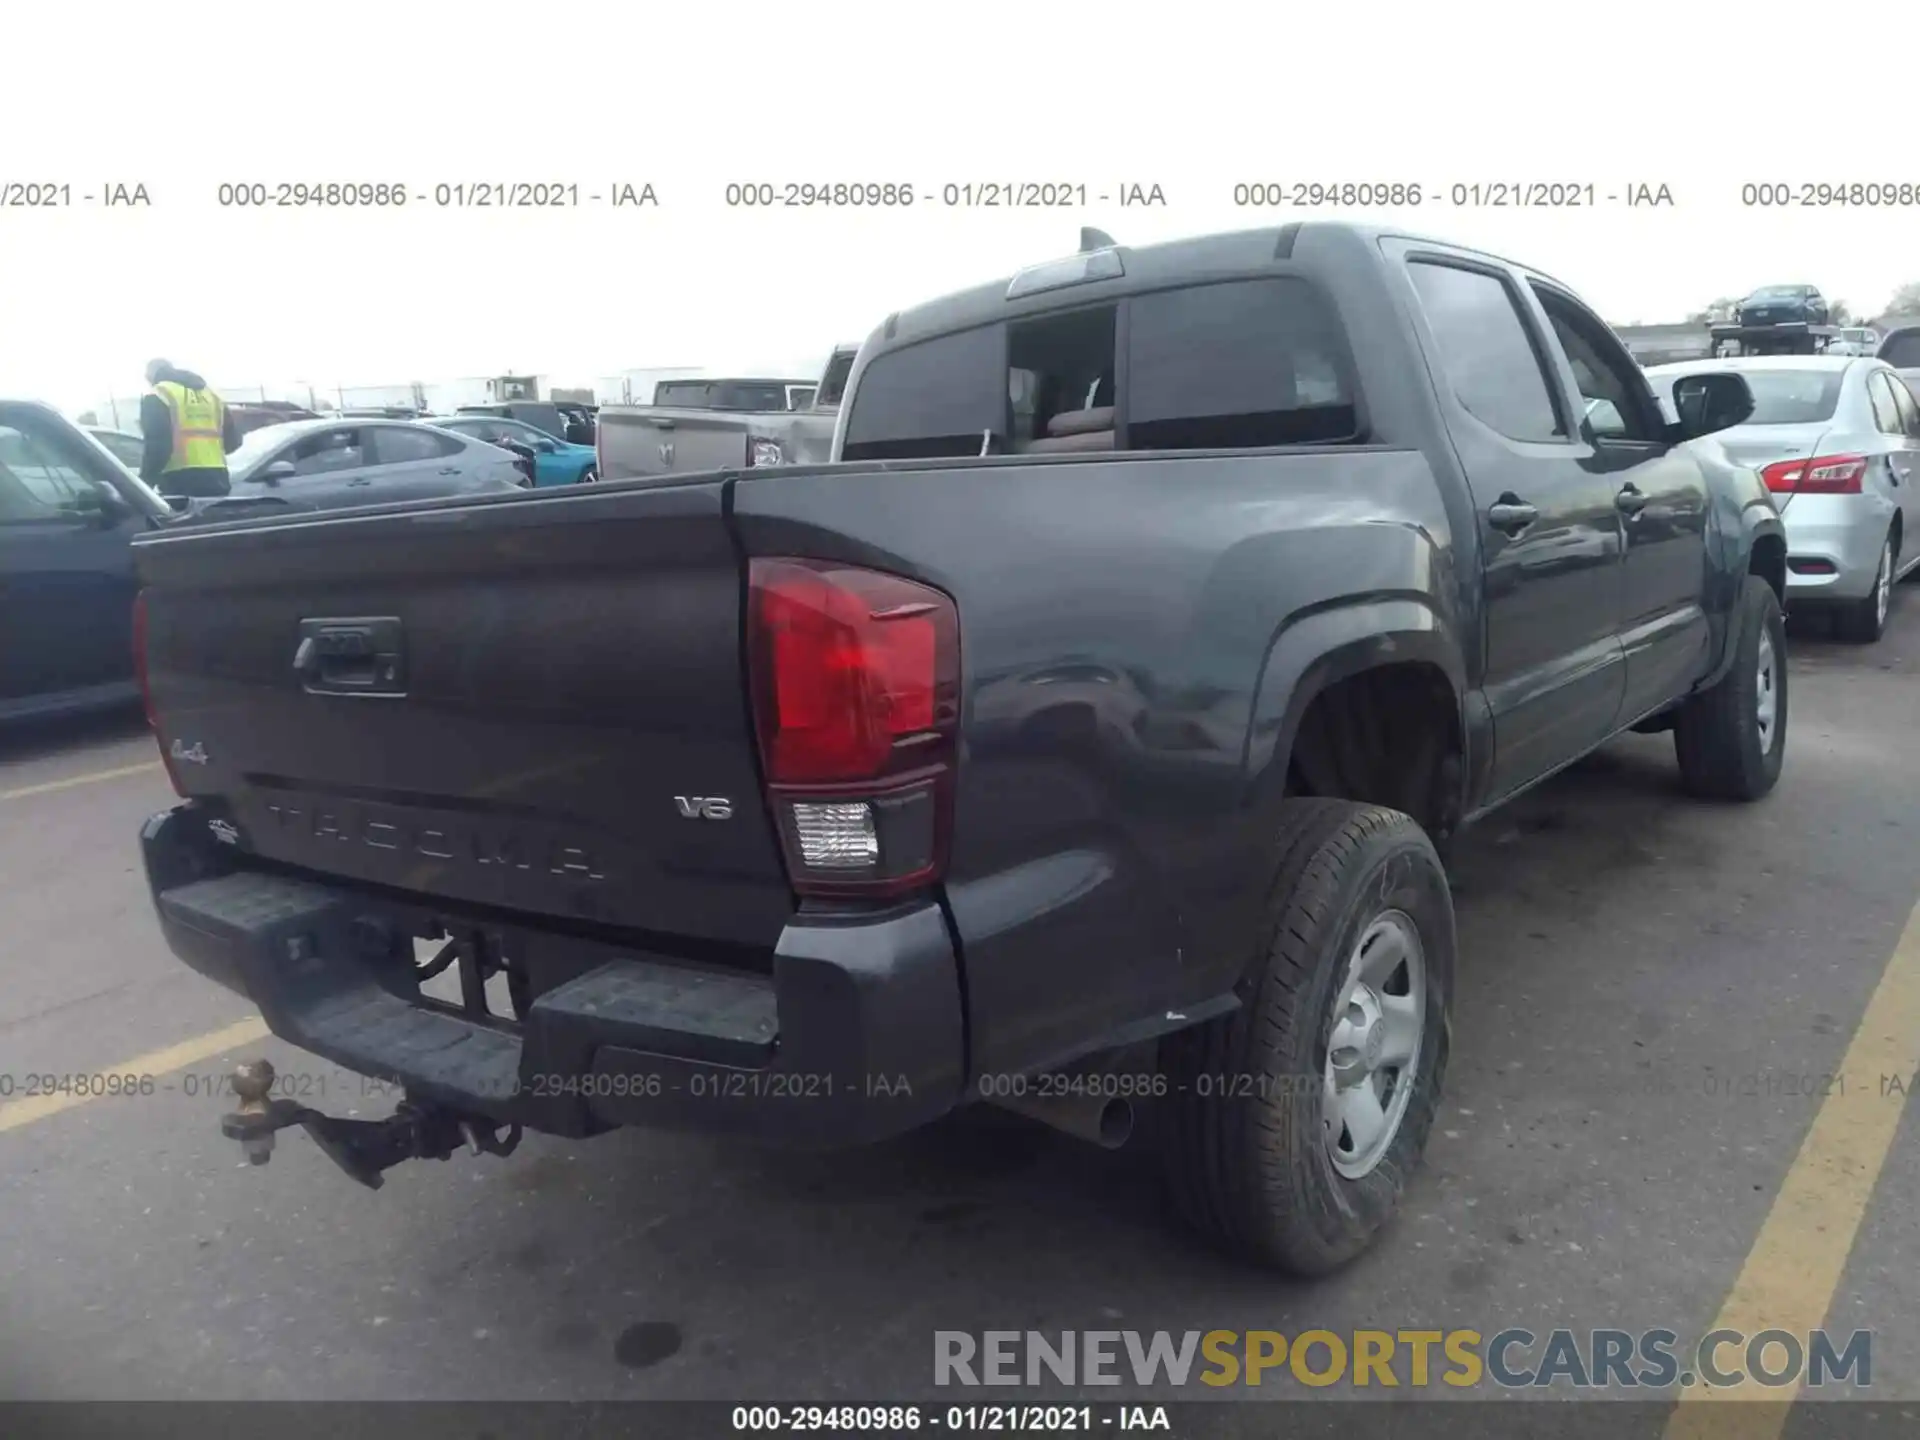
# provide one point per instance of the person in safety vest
(188, 431)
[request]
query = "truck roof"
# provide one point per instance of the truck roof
(1151, 267)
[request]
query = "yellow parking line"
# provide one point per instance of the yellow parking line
(1800, 1254)
(155, 1062)
(49, 786)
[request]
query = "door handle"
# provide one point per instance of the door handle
(449, 469)
(1510, 514)
(1630, 501)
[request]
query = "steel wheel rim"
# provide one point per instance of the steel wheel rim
(1766, 688)
(1883, 584)
(1375, 1044)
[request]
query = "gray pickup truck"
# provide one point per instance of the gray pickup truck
(699, 424)
(1079, 741)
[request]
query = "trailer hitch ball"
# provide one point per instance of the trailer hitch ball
(252, 1081)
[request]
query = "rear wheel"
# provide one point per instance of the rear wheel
(1730, 740)
(1865, 620)
(589, 475)
(1292, 1125)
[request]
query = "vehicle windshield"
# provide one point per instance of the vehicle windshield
(1777, 292)
(256, 446)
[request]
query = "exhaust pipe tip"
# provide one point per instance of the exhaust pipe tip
(1114, 1126)
(1103, 1121)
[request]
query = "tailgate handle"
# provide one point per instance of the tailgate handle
(354, 656)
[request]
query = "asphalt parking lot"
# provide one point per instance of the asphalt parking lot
(1655, 996)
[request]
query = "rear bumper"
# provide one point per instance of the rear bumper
(855, 1036)
(1844, 532)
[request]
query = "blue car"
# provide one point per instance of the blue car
(555, 462)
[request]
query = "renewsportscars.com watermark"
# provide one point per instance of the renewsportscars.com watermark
(1509, 1359)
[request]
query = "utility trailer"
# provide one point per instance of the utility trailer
(1795, 338)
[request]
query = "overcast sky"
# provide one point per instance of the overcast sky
(1193, 98)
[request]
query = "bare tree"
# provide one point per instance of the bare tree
(1720, 309)
(1906, 300)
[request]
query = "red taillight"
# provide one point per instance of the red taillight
(856, 681)
(1823, 475)
(146, 688)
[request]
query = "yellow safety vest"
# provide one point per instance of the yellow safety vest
(199, 418)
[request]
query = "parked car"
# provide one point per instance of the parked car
(1783, 305)
(254, 415)
(129, 449)
(555, 462)
(1836, 440)
(580, 422)
(1854, 340)
(1165, 608)
(325, 464)
(1900, 348)
(69, 510)
(543, 415)
(746, 396)
(720, 423)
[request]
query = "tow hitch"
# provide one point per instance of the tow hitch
(362, 1148)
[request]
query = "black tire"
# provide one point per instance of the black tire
(1243, 1141)
(588, 476)
(1716, 736)
(1865, 621)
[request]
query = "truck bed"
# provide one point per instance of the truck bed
(573, 663)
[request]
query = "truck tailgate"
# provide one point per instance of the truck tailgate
(534, 704)
(638, 440)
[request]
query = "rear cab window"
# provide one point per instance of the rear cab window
(1224, 364)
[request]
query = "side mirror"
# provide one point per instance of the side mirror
(1705, 403)
(276, 472)
(101, 505)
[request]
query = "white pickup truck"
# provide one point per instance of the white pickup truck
(702, 424)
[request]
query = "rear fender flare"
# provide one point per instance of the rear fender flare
(1323, 647)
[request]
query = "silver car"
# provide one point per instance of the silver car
(1836, 439)
(329, 463)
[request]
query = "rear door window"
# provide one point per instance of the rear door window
(1909, 407)
(1486, 349)
(1886, 409)
(408, 444)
